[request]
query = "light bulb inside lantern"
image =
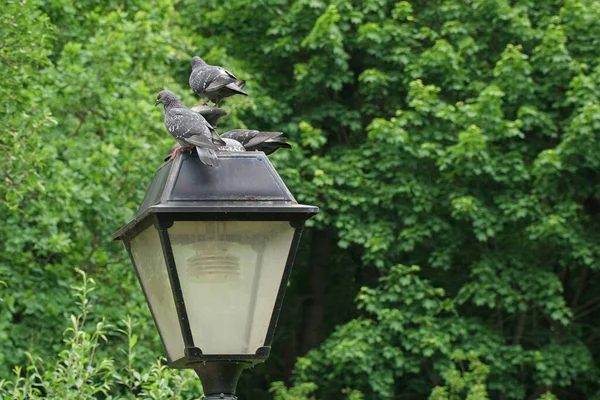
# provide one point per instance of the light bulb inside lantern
(213, 263)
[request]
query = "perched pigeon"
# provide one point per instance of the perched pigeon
(257, 140)
(190, 129)
(214, 83)
(232, 145)
(234, 139)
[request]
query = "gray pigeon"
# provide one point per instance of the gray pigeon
(257, 140)
(214, 83)
(190, 129)
(233, 142)
(232, 145)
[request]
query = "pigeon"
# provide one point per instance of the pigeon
(268, 142)
(190, 129)
(231, 145)
(240, 140)
(214, 83)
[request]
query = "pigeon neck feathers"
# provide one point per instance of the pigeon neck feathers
(174, 103)
(197, 62)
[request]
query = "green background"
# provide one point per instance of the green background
(452, 146)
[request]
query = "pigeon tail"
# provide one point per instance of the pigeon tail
(240, 83)
(216, 139)
(236, 88)
(207, 156)
(282, 142)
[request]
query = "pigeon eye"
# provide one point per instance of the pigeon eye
(159, 96)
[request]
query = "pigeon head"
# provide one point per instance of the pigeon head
(197, 62)
(166, 97)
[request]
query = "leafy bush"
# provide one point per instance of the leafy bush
(459, 136)
(80, 372)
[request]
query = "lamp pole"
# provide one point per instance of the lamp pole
(219, 378)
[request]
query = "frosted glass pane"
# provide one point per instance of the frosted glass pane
(230, 272)
(148, 256)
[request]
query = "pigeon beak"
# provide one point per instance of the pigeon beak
(156, 103)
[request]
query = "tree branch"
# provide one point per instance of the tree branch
(580, 286)
(592, 338)
(589, 303)
(586, 312)
(520, 328)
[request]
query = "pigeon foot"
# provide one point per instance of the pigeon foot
(179, 150)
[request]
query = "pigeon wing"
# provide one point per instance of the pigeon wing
(272, 145)
(199, 140)
(262, 137)
(218, 83)
(218, 78)
(191, 127)
(250, 137)
(198, 79)
(241, 135)
(228, 73)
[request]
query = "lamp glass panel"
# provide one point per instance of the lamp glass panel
(230, 273)
(146, 250)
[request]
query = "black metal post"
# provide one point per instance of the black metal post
(219, 378)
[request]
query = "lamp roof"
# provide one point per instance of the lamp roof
(242, 183)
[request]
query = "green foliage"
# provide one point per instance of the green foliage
(459, 136)
(81, 373)
(298, 392)
(467, 383)
(79, 123)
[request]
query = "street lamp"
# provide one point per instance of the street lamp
(213, 249)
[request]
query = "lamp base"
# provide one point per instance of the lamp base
(221, 396)
(219, 378)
